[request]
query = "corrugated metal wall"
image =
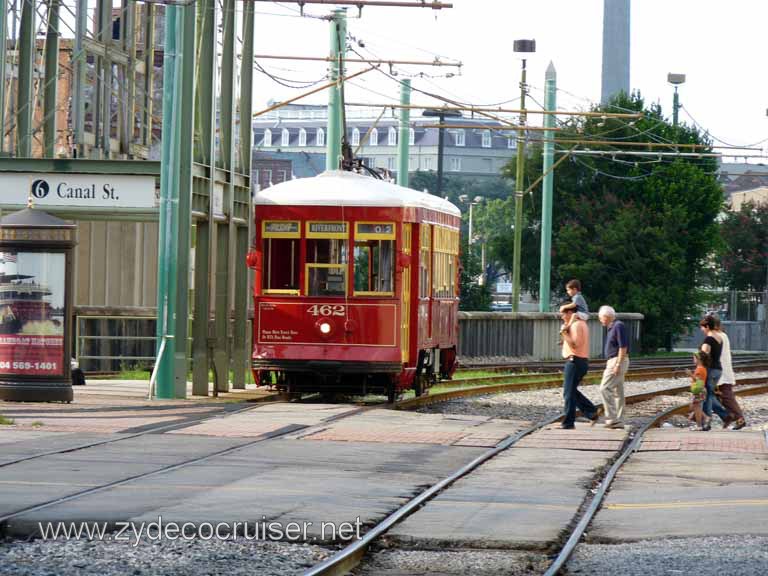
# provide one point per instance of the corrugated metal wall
(116, 264)
(529, 334)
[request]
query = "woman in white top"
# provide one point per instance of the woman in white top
(727, 380)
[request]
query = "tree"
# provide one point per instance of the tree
(635, 230)
(744, 255)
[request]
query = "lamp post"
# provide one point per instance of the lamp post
(675, 80)
(524, 46)
(441, 115)
(471, 237)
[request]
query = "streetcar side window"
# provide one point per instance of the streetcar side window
(425, 260)
(281, 249)
(374, 259)
(327, 257)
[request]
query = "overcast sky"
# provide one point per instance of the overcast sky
(719, 46)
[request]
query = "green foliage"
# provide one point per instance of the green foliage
(744, 253)
(635, 230)
(473, 296)
(6, 421)
(454, 186)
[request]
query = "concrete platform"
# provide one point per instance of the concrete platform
(521, 499)
(685, 484)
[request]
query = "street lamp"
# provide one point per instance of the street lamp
(441, 115)
(675, 80)
(471, 240)
(522, 46)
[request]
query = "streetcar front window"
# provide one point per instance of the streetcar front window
(327, 257)
(281, 266)
(374, 267)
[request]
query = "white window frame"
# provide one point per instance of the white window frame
(392, 136)
(302, 137)
(461, 137)
(320, 137)
(411, 136)
(285, 137)
(455, 164)
(487, 140)
(511, 140)
(267, 138)
(355, 141)
(373, 139)
(391, 163)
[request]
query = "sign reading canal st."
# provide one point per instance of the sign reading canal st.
(79, 190)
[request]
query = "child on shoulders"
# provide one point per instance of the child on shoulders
(573, 288)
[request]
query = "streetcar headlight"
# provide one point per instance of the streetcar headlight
(325, 328)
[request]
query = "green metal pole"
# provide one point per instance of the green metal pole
(51, 77)
(519, 188)
(338, 42)
(403, 145)
(3, 52)
(24, 104)
(550, 95)
(78, 92)
(206, 229)
(240, 353)
(183, 192)
(168, 225)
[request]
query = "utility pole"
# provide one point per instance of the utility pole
(335, 124)
(520, 46)
(26, 65)
(403, 145)
(3, 46)
(550, 95)
(51, 80)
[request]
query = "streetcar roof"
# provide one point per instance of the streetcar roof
(337, 187)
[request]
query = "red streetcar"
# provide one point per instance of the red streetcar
(356, 288)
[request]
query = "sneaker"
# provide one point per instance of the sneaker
(594, 418)
(706, 428)
(615, 426)
(740, 423)
(567, 426)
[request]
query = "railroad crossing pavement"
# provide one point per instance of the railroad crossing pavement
(139, 389)
(522, 499)
(368, 464)
(687, 484)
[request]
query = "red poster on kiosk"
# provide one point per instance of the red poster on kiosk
(32, 313)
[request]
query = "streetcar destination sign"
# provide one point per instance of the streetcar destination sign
(79, 190)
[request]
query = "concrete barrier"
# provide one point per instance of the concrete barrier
(744, 336)
(533, 335)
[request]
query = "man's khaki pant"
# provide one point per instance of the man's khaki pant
(612, 390)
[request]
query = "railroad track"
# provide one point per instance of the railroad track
(480, 386)
(556, 365)
(351, 556)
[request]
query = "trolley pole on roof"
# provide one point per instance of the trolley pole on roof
(550, 92)
(335, 124)
(403, 145)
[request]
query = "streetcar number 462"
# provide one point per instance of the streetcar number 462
(326, 310)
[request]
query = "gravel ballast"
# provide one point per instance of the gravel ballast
(170, 558)
(713, 556)
(450, 563)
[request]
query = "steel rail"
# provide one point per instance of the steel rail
(349, 556)
(605, 483)
(164, 427)
(470, 391)
(290, 429)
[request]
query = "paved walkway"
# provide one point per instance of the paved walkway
(366, 465)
